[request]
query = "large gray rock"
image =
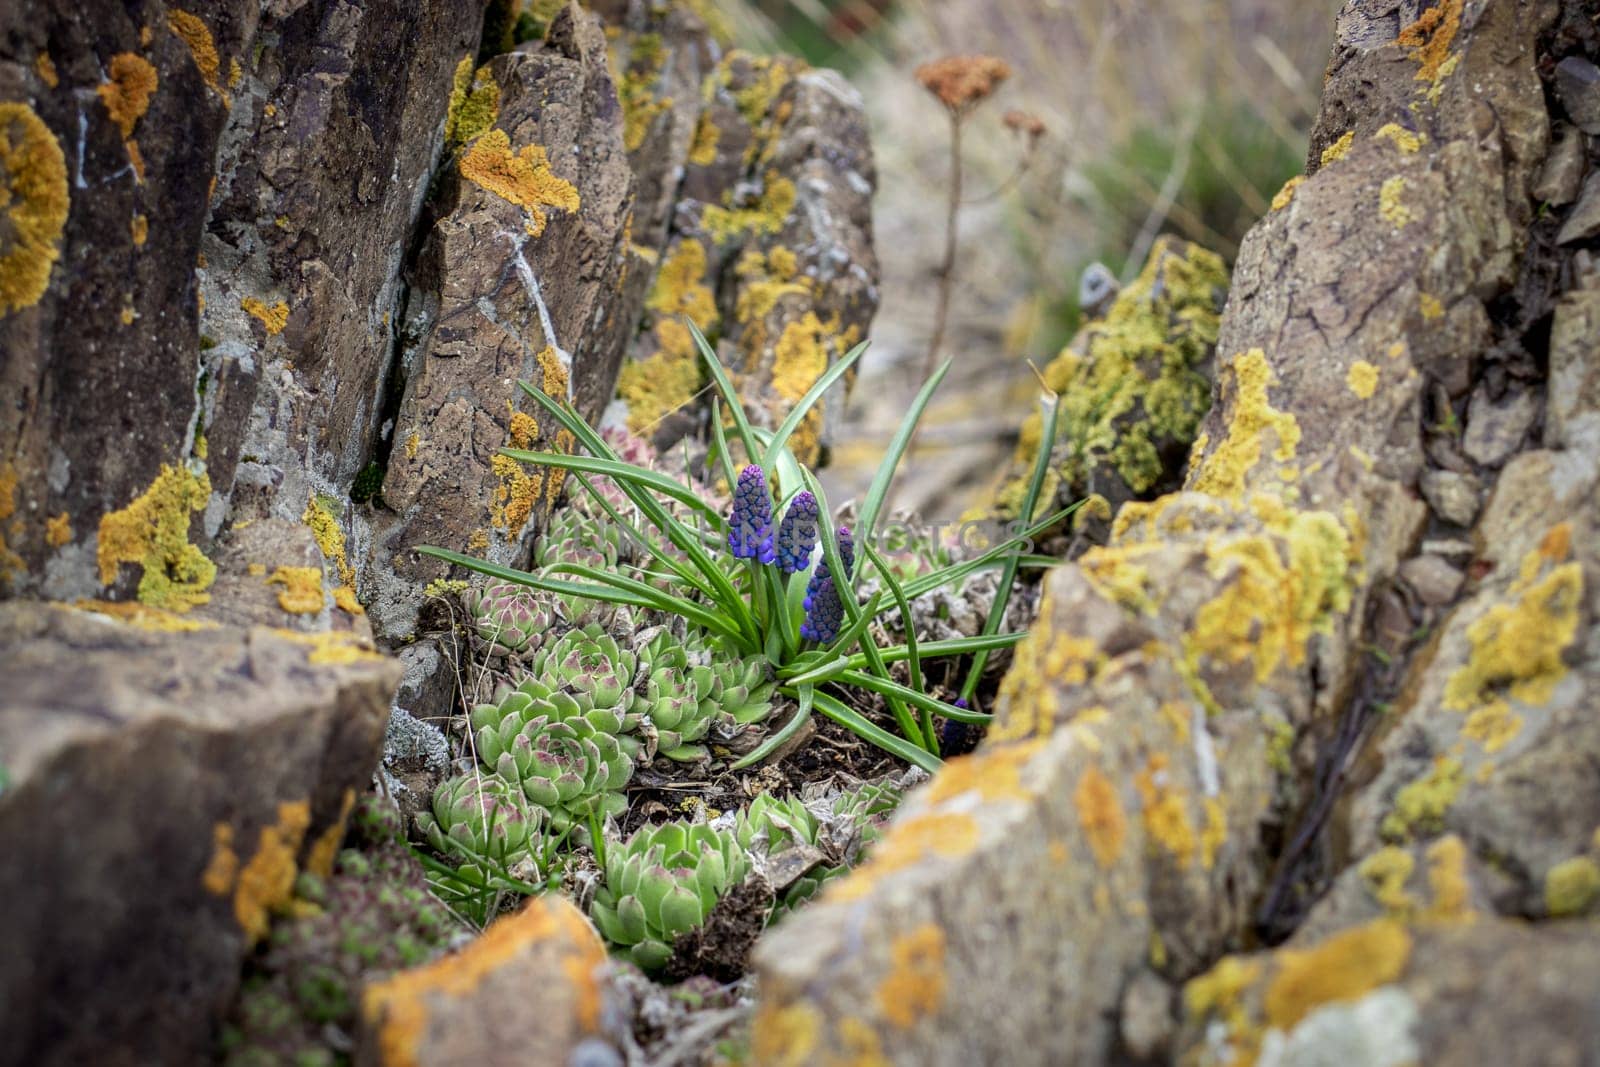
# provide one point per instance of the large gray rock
(164, 782)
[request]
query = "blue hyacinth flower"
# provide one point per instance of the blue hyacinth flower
(750, 525)
(797, 534)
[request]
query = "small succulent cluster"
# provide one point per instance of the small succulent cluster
(574, 535)
(374, 915)
(508, 618)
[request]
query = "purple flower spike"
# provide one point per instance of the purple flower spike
(961, 702)
(847, 551)
(824, 610)
(797, 534)
(750, 525)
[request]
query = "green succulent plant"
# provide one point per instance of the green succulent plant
(589, 664)
(662, 883)
(480, 815)
(741, 686)
(577, 535)
(675, 699)
(511, 617)
(563, 757)
(785, 822)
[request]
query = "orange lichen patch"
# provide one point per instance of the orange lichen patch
(274, 317)
(1221, 992)
(798, 360)
(1044, 662)
(1286, 194)
(139, 229)
(398, 1007)
(524, 428)
(344, 597)
(302, 589)
(556, 477)
(1215, 834)
(1362, 379)
(1283, 589)
(1164, 812)
(319, 860)
(1338, 149)
(1447, 881)
(58, 530)
(524, 179)
(33, 206)
(1402, 138)
(1518, 645)
(1100, 815)
(266, 882)
(515, 496)
(959, 82)
(554, 379)
(153, 532)
(45, 67)
(914, 988)
(1346, 966)
(127, 94)
(906, 843)
(1429, 39)
(223, 868)
(1223, 473)
(1386, 873)
(994, 774)
(136, 161)
(786, 1036)
(1390, 206)
(145, 618)
(202, 48)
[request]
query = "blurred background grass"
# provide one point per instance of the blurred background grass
(1162, 116)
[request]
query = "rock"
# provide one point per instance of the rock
(1562, 175)
(1449, 548)
(533, 986)
(1435, 582)
(1147, 1023)
(494, 300)
(1452, 496)
(1097, 289)
(1496, 428)
(271, 572)
(1577, 83)
(1572, 404)
(416, 758)
(1584, 221)
(166, 779)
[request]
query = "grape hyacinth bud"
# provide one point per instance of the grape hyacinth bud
(797, 534)
(750, 525)
(824, 609)
(847, 551)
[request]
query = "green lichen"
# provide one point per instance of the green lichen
(726, 222)
(1421, 806)
(474, 104)
(1570, 887)
(153, 532)
(636, 89)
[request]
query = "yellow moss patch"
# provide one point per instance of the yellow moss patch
(127, 94)
(798, 360)
(302, 589)
(727, 223)
(906, 843)
(274, 317)
(1362, 379)
(45, 67)
(58, 530)
(1429, 39)
(34, 202)
(319, 860)
(914, 988)
(703, 149)
(786, 1036)
(397, 1008)
(1100, 815)
(1286, 194)
(324, 525)
(1571, 886)
(1422, 805)
(202, 48)
(1518, 645)
(153, 532)
(1494, 726)
(1386, 873)
(1338, 149)
(1165, 811)
(266, 882)
(1390, 206)
(524, 179)
(994, 774)
(1447, 880)
(474, 104)
(1402, 138)
(1223, 473)
(1346, 966)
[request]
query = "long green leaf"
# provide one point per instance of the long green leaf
(890, 689)
(791, 422)
(790, 729)
(956, 571)
(870, 732)
(955, 646)
(913, 660)
(872, 503)
(618, 472)
(719, 438)
(518, 577)
(661, 601)
(719, 375)
(685, 574)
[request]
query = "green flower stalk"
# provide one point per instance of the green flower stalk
(480, 815)
(661, 884)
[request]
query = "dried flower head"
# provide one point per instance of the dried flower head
(1025, 123)
(962, 81)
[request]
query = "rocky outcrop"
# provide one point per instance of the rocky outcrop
(1163, 781)
(165, 780)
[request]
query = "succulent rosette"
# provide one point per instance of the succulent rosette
(662, 883)
(480, 815)
(589, 664)
(573, 535)
(513, 618)
(741, 686)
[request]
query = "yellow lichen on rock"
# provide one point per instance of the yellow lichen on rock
(906, 843)
(1428, 40)
(993, 773)
(266, 882)
(1165, 811)
(1390, 205)
(1100, 815)
(324, 525)
(1447, 881)
(785, 1036)
(524, 178)
(301, 592)
(223, 868)
(1223, 472)
(1432, 310)
(660, 384)
(194, 33)
(798, 359)
(1286, 195)
(1422, 805)
(474, 104)
(58, 530)
(1386, 873)
(33, 204)
(1362, 379)
(1338, 149)
(126, 94)
(273, 316)
(914, 988)
(1571, 886)
(153, 532)
(723, 223)
(515, 496)
(703, 149)
(320, 857)
(45, 67)
(333, 648)
(1346, 966)
(1405, 140)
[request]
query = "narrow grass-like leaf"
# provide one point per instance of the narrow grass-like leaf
(548, 585)
(719, 438)
(1008, 574)
(955, 646)
(913, 660)
(872, 503)
(890, 689)
(618, 472)
(792, 421)
(796, 722)
(661, 601)
(719, 375)
(956, 571)
(870, 732)
(687, 575)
